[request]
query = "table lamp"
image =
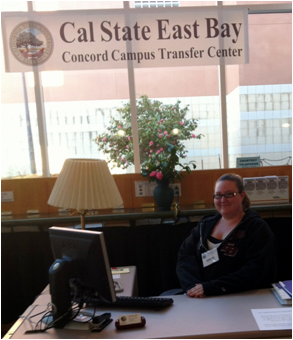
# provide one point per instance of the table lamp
(85, 184)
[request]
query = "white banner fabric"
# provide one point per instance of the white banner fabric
(110, 39)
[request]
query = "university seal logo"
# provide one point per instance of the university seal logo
(31, 43)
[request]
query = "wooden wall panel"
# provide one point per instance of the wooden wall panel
(196, 186)
(29, 194)
(50, 184)
(33, 193)
(125, 186)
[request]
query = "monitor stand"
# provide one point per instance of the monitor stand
(79, 323)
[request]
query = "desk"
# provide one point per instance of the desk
(153, 249)
(227, 316)
(128, 282)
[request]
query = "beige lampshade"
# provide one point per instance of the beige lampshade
(85, 184)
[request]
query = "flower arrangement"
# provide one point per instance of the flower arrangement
(162, 166)
(162, 131)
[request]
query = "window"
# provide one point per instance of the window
(79, 111)
(78, 104)
(259, 108)
(196, 87)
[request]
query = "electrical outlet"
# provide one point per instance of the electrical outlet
(176, 187)
(146, 189)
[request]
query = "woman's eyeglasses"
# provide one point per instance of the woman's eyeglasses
(227, 195)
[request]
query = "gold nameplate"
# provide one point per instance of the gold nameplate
(148, 207)
(201, 204)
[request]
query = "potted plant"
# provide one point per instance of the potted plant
(162, 128)
(163, 168)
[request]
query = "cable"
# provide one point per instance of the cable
(275, 160)
(49, 312)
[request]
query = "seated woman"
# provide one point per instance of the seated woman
(230, 252)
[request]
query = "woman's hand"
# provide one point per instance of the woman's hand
(197, 291)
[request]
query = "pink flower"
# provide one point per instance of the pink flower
(128, 137)
(165, 132)
(150, 156)
(160, 130)
(169, 136)
(151, 151)
(127, 146)
(173, 108)
(158, 151)
(104, 139)
(151, 143)
(162, 120)
(159, 122)
(193, 135)
(119, 127)
(159, 175)
(161, 149)
(160, 135)
(181, 123)
(153, 174)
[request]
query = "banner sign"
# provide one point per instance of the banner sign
(111, 39)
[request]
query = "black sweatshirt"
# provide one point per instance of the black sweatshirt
(247, 257)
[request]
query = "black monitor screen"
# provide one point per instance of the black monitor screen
(80, 255)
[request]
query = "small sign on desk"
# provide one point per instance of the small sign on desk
(119, 270)
(7, 196)
(248, 162)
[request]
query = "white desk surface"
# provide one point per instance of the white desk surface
(227, 316)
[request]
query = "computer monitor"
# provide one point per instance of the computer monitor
(81, 261)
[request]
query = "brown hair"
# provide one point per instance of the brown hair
(240, 186)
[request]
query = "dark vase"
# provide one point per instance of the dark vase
(163, 194)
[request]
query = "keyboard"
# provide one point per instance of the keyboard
(155, 303)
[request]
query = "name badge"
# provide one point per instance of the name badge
(210, 257)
